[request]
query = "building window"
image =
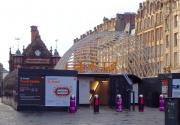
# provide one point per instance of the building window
(167, 41)
(149, 36)
(157, 35)
(147, 22)
(161, 18)
(158, 67)
(152, 21)
(175, 39)
(175, 20)
(162, 50)
(160, 33)
(176, 59)
(167, 60)
(152, 35)
(137, 26)
(166, 24)
(144, 23)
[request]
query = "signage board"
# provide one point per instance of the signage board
(135, 89)
(30, 90)
(164, 89)
(37, 61)
(176, 88)
(58, 90)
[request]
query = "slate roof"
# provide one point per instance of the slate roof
(37, 44)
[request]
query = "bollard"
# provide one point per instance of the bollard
(161, 103)
(118, 103)
(72, 107)
(96, 104)
(141, 103)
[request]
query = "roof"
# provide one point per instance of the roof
(37, 44)
(135, 79)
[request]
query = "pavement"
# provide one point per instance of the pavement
(83, 116)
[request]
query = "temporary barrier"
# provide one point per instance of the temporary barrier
(151, 89)
(119, 85)
(170, 84)
(39, 88)
(107, 87)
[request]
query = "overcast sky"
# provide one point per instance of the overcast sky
(56, 19)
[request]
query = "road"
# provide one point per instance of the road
(84, 116)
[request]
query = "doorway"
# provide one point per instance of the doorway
(100, 87)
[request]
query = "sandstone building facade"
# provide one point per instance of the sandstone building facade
(36, 55)
(157, 27)
(153, 49)
(149, 31)
(171, 12)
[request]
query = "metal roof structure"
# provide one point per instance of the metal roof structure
(108, 52)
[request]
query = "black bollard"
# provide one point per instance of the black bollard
(96, 104)
(133, 107)
(129, 99)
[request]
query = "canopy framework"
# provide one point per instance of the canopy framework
(108, 52)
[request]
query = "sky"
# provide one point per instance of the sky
(62, 20)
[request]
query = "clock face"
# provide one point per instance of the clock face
(37, 52)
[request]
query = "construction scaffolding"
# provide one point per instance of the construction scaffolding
(109, 52)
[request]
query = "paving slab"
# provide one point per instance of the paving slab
(83, 116)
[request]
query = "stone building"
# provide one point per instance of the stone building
(149, 31)
(122, 23)
(153, 49)
(36, 55)
(171, 12)
(157, 27)
(118, 23)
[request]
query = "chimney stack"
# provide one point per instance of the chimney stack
(140, 5)
(34, 33)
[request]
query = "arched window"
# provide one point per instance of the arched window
(151, 8)
(159, 5)
(148, 22)
(161, 18)
(152, 20)
(145, 23)
(157, 18)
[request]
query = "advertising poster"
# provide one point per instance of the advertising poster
(164, 89)
(30, 90)
(176, 88)
(58, 90)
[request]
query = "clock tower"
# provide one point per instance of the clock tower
(35, 55)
